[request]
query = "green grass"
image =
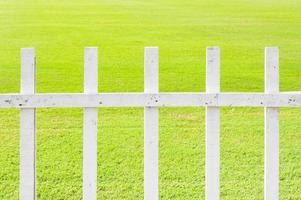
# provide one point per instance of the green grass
(60, 29)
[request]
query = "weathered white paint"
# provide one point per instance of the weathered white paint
(212, 125)
(151, 126)
(271, 151)
(185, 99)
(28, 128)
(90, 126)
(151, 100)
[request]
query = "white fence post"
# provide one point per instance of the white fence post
(271, 153)
(90, 126)
(151, 126)
(28, 128)
(212, 125)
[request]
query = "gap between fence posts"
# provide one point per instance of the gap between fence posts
(271, 129)
(151, 126)
(28, 128)
(212, 126)
(90, 126)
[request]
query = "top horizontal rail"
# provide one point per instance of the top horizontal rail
(74, 100)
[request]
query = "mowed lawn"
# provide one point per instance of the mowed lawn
(60, 29)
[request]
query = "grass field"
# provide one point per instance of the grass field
(60, 29)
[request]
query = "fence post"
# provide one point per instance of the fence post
(28, 128)
(151, 126)
(90, 126)
(212, 125)
(271, 150)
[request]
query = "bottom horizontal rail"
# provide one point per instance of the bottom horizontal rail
(285, 99)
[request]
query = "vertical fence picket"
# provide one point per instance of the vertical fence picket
(90, 126)
(271, 153)
(151, 126)
(28, 128)
(212, 125)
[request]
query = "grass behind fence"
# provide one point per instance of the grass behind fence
(59, 30)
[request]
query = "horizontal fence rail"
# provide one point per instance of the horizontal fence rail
(151, 99)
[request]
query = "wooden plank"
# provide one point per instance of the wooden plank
(283, 99)
(212, 125)
(28, 128)
(271, 153)
(90, 126)
(151, 126)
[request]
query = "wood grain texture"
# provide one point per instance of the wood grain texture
(212, 126)
(151, 126)
(90, 126)
(28, 128)
(271, 128)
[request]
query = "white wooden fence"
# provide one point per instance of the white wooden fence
(151, 100)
